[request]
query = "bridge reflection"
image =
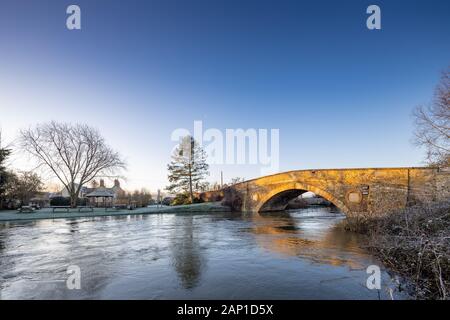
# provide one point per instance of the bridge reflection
(308, 233)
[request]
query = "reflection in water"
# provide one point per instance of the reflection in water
(186, 256)
(290, 255)
(298, 233)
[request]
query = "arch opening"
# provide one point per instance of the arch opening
(279, 198)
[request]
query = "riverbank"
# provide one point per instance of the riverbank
(414, 243)
(46, 213)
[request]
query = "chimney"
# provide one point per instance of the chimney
(102, 183)
(116, 183)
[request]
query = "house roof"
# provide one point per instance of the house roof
(101, 192)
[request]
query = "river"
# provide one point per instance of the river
(298, 254)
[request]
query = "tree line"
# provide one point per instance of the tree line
(140, 198)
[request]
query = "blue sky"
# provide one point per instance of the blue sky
(340, 94)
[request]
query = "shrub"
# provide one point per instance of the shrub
(167, 201)
(60, 201)
(198, 200)
(82, 201)
(415, 243)
(180, 199)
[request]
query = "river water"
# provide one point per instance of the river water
(291, 255)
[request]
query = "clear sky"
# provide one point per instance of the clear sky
(340, 94)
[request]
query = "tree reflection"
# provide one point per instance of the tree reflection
(187, 258)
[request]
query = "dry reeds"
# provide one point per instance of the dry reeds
(414, 243)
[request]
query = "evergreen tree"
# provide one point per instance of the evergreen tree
(188, 168)
(4, 174)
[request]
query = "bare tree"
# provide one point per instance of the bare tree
(236, 180)
(433, 124)
(75, 154)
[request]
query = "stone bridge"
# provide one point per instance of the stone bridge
(368, 191)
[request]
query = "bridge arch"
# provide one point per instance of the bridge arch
(296, 189)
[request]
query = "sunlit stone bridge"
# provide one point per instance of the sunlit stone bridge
(365, 191)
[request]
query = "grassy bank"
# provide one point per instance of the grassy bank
(47, 213)
(414, 243)
(205, 207)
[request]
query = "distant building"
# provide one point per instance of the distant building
(97, 196)
(65, 193)
(103, 196)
